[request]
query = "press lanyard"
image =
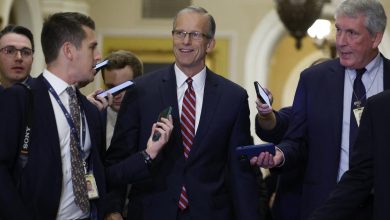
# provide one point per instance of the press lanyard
(69, 119)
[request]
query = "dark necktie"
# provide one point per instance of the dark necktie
(78, 178)
(187, 125)
(358, 100)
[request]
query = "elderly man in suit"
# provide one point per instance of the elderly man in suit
(196, 175)
(66, 134)
(368, 167)
(329, 100)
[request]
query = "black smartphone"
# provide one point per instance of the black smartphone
(254, 150)
(164, 114)
(100, 65)
(116, 89)
(261, 94)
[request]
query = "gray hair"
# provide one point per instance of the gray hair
(372, 10)
(202, 11)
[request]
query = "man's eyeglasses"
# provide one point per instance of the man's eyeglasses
(193, 35)
(11, 51)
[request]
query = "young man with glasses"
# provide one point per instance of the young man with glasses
(16, 55)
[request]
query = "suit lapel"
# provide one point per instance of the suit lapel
(336, 97)
(386, 73)
(46, 117)
(168, 91)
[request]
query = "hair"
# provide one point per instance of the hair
(320, 60)
(11, 28)
(375, 15)
(63, 27)
(202, 11)
(120, 59)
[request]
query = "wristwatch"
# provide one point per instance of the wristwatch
(148, 160)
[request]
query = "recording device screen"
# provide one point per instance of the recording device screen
(100, 65)
(261, 94)
(116, 90)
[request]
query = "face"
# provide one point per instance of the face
(190, 54)
(14, 68)
(86, 57)
(115, 77)
(355, 45)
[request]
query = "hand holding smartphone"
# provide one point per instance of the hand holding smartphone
(164, 114)
(116, 90)
(262, 94)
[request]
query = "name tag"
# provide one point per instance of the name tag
(91, 186)
(358, 114)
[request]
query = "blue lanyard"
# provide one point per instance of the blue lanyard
(69, 119)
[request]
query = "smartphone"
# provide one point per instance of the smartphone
(116, 90)
(254, 150)
(261, 94)
(164, 114)
(100, 65)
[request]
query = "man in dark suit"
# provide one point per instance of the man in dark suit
(369, 167)
(61, 155)
(210, 115)
(325, 107)
(16, 55)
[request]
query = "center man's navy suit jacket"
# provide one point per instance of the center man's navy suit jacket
(41, 180)
(218, 185)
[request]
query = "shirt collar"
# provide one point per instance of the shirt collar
(370, 68)
(198, 79)
(57, 83)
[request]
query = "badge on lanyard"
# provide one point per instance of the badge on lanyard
(91, 186)
(358, 114)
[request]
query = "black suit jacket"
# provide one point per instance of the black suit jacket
(218, 186)
(317, 120)
(41, 180)
(369, 167)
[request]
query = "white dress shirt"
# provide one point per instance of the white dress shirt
(198, 83)
(67, 208)
(110, 125)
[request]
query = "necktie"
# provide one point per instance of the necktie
(187, 125)
(78, 179)
(358, 100)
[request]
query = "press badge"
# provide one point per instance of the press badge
(91, 186)
(358, 114)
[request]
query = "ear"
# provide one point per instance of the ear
(67, 50)
(376, 40)
(210, 45)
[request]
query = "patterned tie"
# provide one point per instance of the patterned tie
(78, 179)
(358, 100)
(187, 124)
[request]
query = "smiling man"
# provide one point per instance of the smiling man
(329, 100)
(196, 174)
(16, 54)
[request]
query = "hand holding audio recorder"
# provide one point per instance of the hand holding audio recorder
(164, 114)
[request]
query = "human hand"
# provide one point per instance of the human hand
(264, 109)
(113, 216)
(100, 102)
(164, 127)
(267, 160)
